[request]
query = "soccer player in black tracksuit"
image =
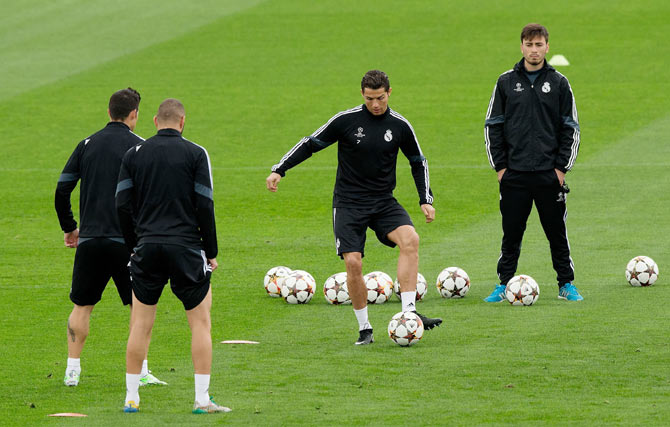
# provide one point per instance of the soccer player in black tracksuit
(165, 205)
(369, 137)
(532, 140)
(101, 253)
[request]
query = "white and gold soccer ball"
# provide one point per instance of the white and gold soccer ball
(405, 328)
(274, 278)
(641, 271)
(335, 289)
(379, 286)
(453, 282)
(298, 287)
(522, 290)
(421, 287)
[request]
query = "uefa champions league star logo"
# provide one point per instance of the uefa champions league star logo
(360, 134)
(388, 136)
(518, 88)
(546, 88)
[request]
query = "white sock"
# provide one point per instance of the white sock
(362, 317)
(73, 364)
(408, 301)
(202, 389)
(145, 368)
(132, 388)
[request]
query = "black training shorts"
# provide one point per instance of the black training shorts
(95, 262)
(153, 264)
(350, 225)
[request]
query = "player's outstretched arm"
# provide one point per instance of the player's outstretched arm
(428, 211)
(71, 239)
(272, 180)
(326, 135)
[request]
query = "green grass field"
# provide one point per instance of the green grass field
(256, 76)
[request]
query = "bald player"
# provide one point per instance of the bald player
(166, 211)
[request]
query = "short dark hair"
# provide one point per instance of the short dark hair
(170, 110)
(531, 31)
(122, 102)
(374, 79)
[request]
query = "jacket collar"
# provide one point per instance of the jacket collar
(169, 132)
(117, 125)
(519, 68)
(386, 113)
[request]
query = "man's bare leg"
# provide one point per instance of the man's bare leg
(142, 321)
(77, 329)
(146, 377)
(408, 263)
(354, 265)
(408, 267)
(77, 332)
(199, 319)
(358, 294)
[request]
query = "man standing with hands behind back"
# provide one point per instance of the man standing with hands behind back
(164, 199)
(532, 140)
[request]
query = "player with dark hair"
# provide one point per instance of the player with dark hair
(101, 253)
(532, 139)
(369, 137)
(165, 204)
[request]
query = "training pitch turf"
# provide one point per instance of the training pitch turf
(255, 77)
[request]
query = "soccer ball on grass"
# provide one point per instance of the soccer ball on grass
(453, 282)
(274, 278)
(335, 289)
(405, 328)
(641, 271)
(379, 286)
(522, 290)
(298, 287)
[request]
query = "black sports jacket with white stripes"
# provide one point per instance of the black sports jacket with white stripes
(164, 194)
(532, 127)
(367, 153)
(96, 161)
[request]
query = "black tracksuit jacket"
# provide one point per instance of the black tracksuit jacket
(164, 194)
(532, 126)
(96, 161)
(367, 153)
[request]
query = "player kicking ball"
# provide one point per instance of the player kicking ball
(369, 137)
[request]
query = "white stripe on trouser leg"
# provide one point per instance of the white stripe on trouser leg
(565, 223)
(499, 258)
(337, 243)
(205, 266)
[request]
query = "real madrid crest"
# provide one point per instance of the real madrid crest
(546, 88)
(388, 136)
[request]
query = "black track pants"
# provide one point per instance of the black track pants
(518, 191)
